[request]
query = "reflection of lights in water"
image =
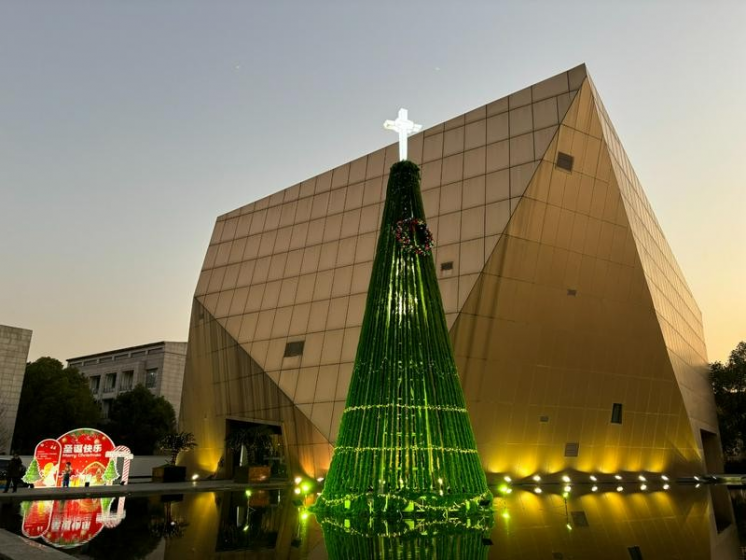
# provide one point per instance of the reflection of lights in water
(568, 488)
(594, 488)
(565, 478)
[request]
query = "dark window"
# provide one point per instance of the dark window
(122, 357)
(151, 377)
(294, 348)
(571, 449)
(446, 266)
(543, 418)
(557, 556)
(616, 413)
(110, 382)
(634, 552)
(95, 381)
(572, 292)
(565, 161)
(125, 384)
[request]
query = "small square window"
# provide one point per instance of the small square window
(571, 449)
(565, 161)
(95, 381)
(446, 266)
(616, 413)
(294, 348)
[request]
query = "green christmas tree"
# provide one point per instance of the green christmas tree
(32, 473)
(405, 443)
(110, 474)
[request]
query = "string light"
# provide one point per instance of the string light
(405, 440)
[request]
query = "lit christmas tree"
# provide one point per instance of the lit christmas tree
(405, 442)
(32, 473)
(110, 474)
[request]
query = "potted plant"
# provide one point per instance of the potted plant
(254, 445)
(174, 443)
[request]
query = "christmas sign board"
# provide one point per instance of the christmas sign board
(69, 523)
(89, 453)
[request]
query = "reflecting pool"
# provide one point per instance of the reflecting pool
(609, 522)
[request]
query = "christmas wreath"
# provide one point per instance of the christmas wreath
(414, 236)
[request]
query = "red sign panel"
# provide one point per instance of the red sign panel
(85, 449)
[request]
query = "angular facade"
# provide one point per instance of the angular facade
(578, 341)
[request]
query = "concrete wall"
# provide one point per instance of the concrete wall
(14, 345)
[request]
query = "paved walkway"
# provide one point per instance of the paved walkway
(141, 489)
(14, 547)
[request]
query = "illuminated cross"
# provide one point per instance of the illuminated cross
(404, 127)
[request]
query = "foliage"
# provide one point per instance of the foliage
(176, 442)
(54, 400)
(729, 386)
(139, 420)
(258, 442)
(405, 433)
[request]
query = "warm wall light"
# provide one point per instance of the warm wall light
(565, 478)
(619, 488)
(593, 478)
(536, 477)
(617, 477)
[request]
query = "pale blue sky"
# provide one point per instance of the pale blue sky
(127, 127)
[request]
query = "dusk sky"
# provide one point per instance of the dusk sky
(126, 128)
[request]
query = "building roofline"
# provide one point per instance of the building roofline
(127, 349)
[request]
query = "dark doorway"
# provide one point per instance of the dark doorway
(255, 451)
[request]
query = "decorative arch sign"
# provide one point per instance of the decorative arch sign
(92, 456)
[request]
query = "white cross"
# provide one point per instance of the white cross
(404, 127)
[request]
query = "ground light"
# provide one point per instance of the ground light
(643, 487)
(565, 478)
(567, 488)
(666, 486)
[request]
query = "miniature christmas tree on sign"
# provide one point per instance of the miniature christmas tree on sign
(405, 442)
(110, 474)
(32, 473)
